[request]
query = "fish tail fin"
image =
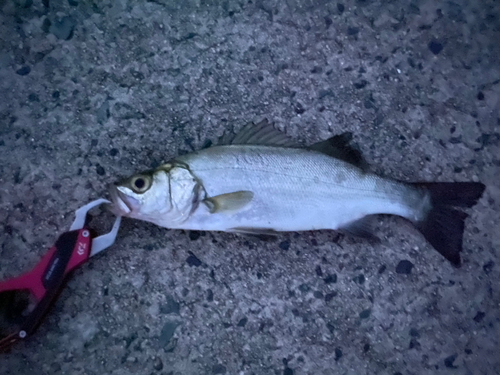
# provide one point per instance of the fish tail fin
(443, 225)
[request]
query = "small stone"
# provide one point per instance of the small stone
(330, 327)
(299, 108)
(218, 369)
(338, 354)
(33, 97)
(316, 70)
(330, 296)
(193, 261)
(330, 279)
(157, 364)
(435, 47)
(351, 30)
(63, 29)
(194, 235)
(210, 295)
(404, 267)
(284, 245)
(24, 71)
(171, 306)
(318, 294)
(167, 332)
(129, 339)
(324, 93)
(414, 332)
(46, 25)
(24, 3)
(103, 113)
(328, 22)
(365, 314)
(479, 316)
(242, 322)
(360, 279)
(100, 170)
(488, 267)
(304, 288)
(361, 84)
(448, 361)
(413, 344)
(319, 271)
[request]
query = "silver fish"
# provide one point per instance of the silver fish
(260, 182)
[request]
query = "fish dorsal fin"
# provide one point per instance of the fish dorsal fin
(338, 147)
(262, 133)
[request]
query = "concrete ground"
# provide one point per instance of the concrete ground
(92, 91)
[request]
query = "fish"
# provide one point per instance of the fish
(259, 181)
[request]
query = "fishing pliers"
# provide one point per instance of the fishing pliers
(26, 299)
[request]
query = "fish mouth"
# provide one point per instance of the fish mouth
(121, 205)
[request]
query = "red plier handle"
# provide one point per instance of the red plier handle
(39, 287)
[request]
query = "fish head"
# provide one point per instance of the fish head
(165, 196)
(143, 196)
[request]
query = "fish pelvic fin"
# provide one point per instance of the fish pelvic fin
(443, 225)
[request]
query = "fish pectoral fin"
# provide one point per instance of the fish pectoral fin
(229, 202)
(338, 147)
(262, 133)
(363, 228)
(254, 231)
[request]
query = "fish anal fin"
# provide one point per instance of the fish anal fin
(363, 228)
(229, 202)
(338, 147)
(262, 133)
(254, 231)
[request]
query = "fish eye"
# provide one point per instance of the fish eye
(140, 184)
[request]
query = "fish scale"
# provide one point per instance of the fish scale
(286, 194)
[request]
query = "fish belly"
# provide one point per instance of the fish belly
(294, 189)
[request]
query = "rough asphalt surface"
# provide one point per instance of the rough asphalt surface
(96, 90)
